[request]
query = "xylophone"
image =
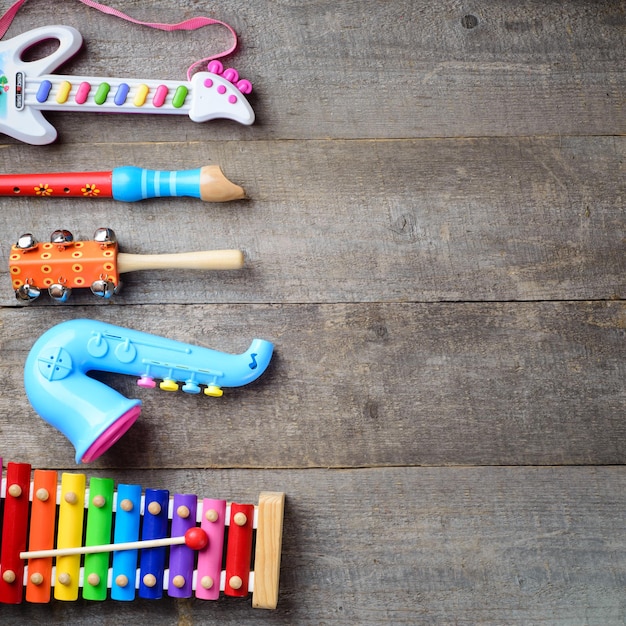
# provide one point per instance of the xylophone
(63, 264)
(127, 183)
(26, 90)
(132, 542)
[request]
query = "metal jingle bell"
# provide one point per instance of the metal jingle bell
(26, 242)
(60, 292)
(61, 237)
(27, 293)
(103, 288)
(105, 236)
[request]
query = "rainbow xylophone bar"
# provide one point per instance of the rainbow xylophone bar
(228, 564)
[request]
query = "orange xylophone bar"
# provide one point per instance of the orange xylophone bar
(247, 538)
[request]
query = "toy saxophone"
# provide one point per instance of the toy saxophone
(92, 415)
(26, 90)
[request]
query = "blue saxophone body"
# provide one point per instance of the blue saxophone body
(92, 415)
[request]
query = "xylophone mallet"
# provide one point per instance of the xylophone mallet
(195, 538)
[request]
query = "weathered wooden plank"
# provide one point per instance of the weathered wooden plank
(376, 69)
(414, 546)
(483, 219)
(361, 385)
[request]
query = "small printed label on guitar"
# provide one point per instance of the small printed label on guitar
(19, 91)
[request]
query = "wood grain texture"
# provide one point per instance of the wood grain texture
(471, 220)
(268, 549)
(434, 241)
(413, 546)
(512, 384)
(377, 69)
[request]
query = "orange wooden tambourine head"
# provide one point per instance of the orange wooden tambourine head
(61, 265)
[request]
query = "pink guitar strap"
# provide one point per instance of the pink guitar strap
(191, 24)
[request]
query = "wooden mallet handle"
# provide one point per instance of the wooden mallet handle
(195, 538)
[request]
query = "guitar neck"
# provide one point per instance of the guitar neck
(78, 93)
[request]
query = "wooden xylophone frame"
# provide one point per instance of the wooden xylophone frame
(242, 556)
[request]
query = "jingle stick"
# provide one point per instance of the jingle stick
(195, 538)
(63, 264)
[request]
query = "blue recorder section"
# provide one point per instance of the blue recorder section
(130, 184)
(92, 415)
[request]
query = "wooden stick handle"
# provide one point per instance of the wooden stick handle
(110, 547)
(207, 260)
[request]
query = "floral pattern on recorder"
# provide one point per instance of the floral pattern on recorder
(44, 190)
(90, 190)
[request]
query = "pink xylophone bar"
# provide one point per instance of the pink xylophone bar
(136, 543)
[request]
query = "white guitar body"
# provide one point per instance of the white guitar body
(27, 88)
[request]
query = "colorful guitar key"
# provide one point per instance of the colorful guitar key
(27, 89)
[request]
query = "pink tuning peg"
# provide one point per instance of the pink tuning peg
(146, 382)
(215, 67)
(245, 86)
(231, 75)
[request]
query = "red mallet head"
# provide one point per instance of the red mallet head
(196, 538)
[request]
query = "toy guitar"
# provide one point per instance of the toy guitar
(27, 89)
(128, 184)
(92, 415)
(63, 264)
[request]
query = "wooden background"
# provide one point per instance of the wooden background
(434, 236)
